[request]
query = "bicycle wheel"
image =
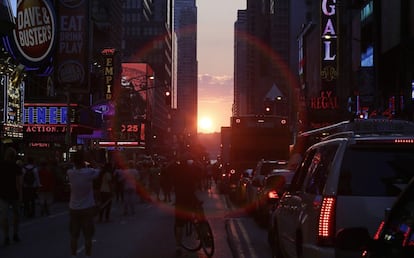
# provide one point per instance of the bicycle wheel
(191, 240)
(207, 238)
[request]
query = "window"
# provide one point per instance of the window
(319, 168)
(398, 231)
(380, 170)
(300, 174)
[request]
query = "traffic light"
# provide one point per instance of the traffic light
(168, 98)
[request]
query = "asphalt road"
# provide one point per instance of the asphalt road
(147, 234)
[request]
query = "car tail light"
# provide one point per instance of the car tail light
(378, 232)
(326, 228)
(272, 195)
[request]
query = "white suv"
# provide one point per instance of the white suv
(349, 179)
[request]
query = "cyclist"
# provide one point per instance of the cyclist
(186, 178)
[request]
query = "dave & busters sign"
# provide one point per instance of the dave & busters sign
(34, 36)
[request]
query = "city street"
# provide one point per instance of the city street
(147, 234)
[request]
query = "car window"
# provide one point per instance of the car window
(276, 181)
(378, 170)
(319, 168)
(398, 231)
(300, 173)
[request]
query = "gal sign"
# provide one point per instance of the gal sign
(329, 38)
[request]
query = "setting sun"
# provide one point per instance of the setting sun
(205, 125)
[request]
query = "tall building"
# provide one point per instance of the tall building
(266, 57)
(185, 28)
(240, 68)
(148, 39)
(357, 61)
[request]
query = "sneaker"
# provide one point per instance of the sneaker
(16, 238)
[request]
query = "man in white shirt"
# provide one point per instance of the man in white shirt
(82, 206)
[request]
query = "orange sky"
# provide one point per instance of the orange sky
(215, 36)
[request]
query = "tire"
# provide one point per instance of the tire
(207, 238)
(191, 240)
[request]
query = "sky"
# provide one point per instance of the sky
(215, 52)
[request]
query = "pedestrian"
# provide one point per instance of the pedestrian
(11, 181)
(130, 177)
(155, 184)
(118, 183)
(46, 189)
(82, 206)
(31, 184)
(106, 192)
(166, 183)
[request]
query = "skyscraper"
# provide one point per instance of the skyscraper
(147, 39)
(185, 28)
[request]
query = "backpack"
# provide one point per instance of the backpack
(29, 177)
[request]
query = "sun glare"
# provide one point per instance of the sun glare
(205, 125)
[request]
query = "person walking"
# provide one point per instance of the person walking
(82, 206)
(166, 183)
(46, 189)
(118, 182)
(155, 184)
(11, 181)
(31, 184)
(130, 176)
(106, 192)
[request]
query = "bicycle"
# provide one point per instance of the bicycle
(197, 233)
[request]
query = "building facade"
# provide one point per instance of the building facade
(147, 38)
(185, 28)
(357, 61)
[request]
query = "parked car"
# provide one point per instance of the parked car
(262, 169)
(268, 194)
(394, 237)
(349, 179)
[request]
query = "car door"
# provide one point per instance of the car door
(287, 214)
(298, 222)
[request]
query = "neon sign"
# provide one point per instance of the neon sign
(329, 36)
(45, 115)
(108, 54)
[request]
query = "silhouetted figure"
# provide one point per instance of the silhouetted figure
(82, 206)
(11, 181)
